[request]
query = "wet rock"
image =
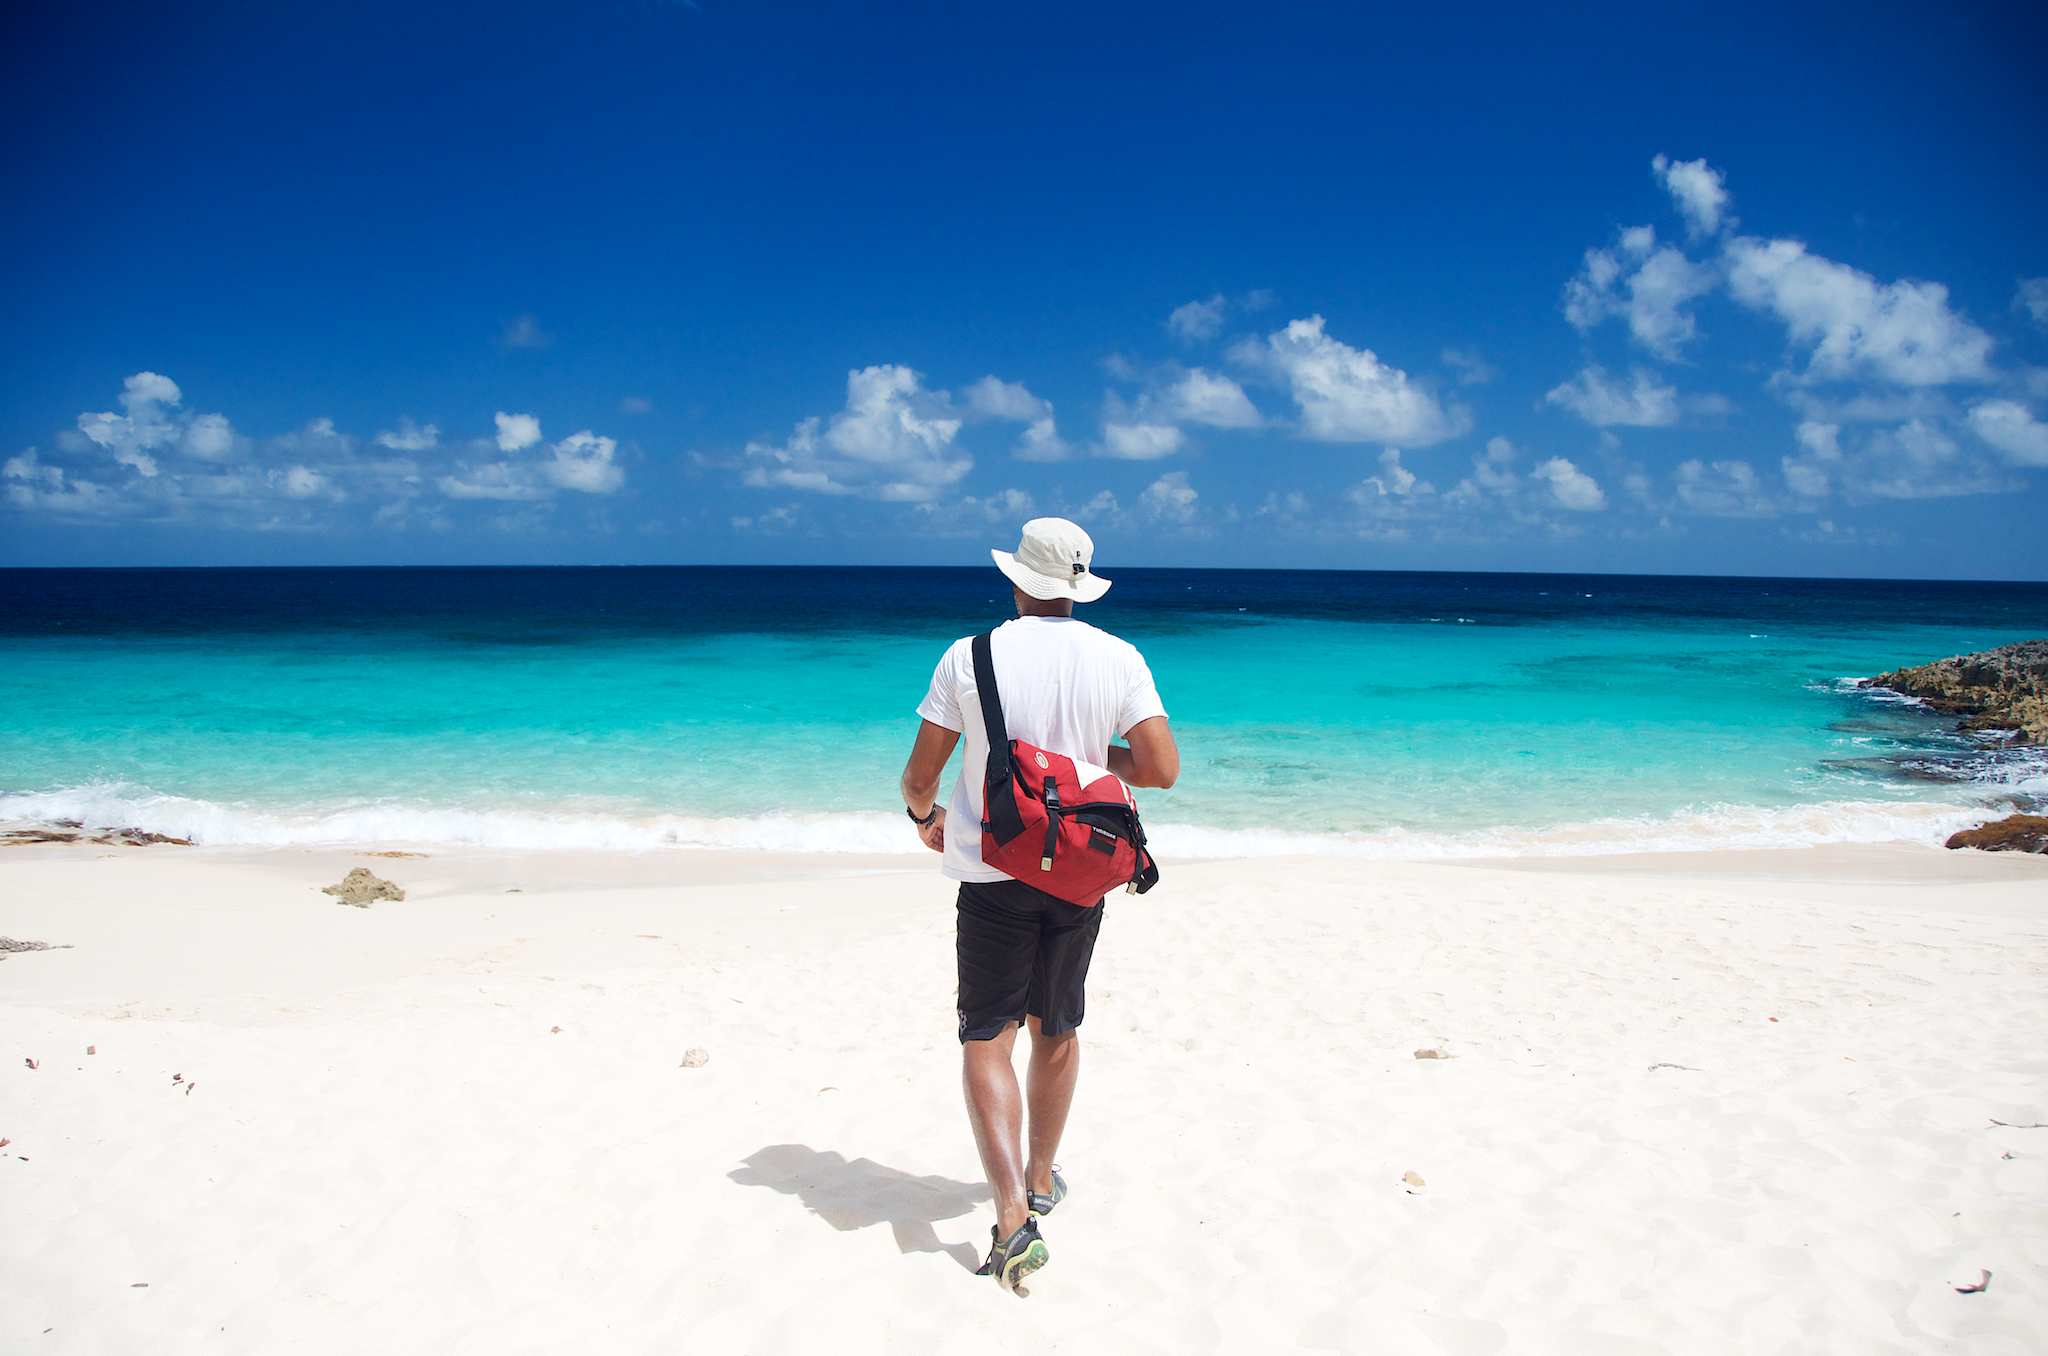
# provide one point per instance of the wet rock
(2001, 689)
(2014, 833)
(360, 888)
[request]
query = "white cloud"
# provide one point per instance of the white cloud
(1102, 505)
(994, 398)
(148, 399)
(208, 437)
(1901, 332)
(892, 441)
(1700, 191)
(1201, 397)
(411, 437)
(583, 462)
(33, 484)
(1141, 442)
(1170, 498)
(1041, 441)
(1347, 394)
(1651, 287)
(1395, 480)
(302, 482)
(2032, 298)
(516, 432)
(2011, 428)
(1722, 489)
(1599, 400)
(1196, 321)
(1810, 475)
(1570, 487)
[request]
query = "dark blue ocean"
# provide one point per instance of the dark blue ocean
(1317, 711)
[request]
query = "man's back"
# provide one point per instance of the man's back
(1065, 686)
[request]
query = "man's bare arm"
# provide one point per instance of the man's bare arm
(927, 761)
(1152, 759)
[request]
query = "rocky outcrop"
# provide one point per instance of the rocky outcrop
(2001, 689)
(2014, 833)
(69, 831)
(360, 888)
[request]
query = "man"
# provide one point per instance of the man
(1022, 953)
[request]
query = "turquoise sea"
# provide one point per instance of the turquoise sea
(1399, 714)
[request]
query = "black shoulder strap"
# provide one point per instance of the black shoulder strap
(992, 722)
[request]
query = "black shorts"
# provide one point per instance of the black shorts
(1020, 951)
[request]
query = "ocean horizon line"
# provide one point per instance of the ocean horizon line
(872, 567)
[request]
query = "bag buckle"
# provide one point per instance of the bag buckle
(1045, 863)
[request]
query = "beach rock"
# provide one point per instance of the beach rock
(1430, 1052)
(10, 944)
(696, 1057)
(360, 888)
(2001, 689)
(2014, 833)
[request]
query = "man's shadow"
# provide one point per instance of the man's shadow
(857, 1194)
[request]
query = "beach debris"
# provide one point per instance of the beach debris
(696, 1057)
(4, 1141)
(1977, 1287)
(2007, 1155)
(1432, 1052)
(2020, 1125)
(359, 888)
(92, 1049)
(31, 1064)
(138, 1285)
(1665, 1064)
(177, 1078)
(10, 944)
(1412, 1182)
(2014, 833)
(554, 1031)
(393, 852)
(1770, 1019)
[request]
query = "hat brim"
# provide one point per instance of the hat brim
(1082, 588)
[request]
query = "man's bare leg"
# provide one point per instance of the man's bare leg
(1055, 1068)
(996, 1110)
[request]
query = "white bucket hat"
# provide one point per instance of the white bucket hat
(1052, 561)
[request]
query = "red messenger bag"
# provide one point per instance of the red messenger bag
(1043, 824)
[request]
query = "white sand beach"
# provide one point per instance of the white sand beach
(1743, 1102)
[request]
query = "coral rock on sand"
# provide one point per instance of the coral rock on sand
(2001, 689)
(359, 888)
(696, 1057)
(2014, 833)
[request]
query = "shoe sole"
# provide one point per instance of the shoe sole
(1024, 1264)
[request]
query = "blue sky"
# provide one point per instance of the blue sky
(1714, 290)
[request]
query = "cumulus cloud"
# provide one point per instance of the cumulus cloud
(1700, 191)
(1570, 487)
(1395, 480)
(516, 432)
(1201, 397)
(33, 484)
(894, 440)
(1649, 286)
(2011, 428)
(1600, 400)
(994, 398)
(1901, 332)
(1195, 321)
(1347, 394)
(1810, 474)
(1722, 489)
(1102, 505)
(411, 437)
(1141, 442)
(2032, 298)
(209, 437)
(1170, 499)
(583, 462)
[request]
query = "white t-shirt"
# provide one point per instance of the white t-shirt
(1065, 686)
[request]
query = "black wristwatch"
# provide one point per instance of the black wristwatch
(929, 816)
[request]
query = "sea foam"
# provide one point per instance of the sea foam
(406, 823)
